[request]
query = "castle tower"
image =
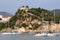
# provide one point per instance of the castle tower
(25, 8)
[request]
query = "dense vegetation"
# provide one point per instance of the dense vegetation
(1, 25)
(6, 14)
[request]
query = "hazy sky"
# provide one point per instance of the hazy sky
(11, 6)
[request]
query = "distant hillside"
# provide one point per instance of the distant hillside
(57, 11)
(5, 14)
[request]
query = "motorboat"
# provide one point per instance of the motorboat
(6, 33)
(9, 33)
(46, 34)
(41, 34)
(51, 34)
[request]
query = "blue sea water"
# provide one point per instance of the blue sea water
(27, 37)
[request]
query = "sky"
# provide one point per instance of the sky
(11, 6)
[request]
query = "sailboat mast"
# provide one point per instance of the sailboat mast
(54, 18)
(42, 20)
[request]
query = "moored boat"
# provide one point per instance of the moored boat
(40, 34)
(9, 33)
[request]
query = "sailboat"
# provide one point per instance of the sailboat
(45, 34)
(42, 32)
(53, 34)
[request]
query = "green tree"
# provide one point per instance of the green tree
(12, 21)
(2, 26)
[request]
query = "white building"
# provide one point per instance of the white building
(4, 18)
(0, 16)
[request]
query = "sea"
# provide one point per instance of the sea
(27, 37)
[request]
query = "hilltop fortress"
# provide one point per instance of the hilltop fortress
(26, 8)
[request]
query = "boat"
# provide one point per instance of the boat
(14, 32)
(41, 34)
(51, 34)
(9, 33)
(47, 34)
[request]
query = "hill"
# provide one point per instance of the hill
(57, 11)
(5, 14)
(29, 17)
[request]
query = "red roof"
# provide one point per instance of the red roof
(5, 16)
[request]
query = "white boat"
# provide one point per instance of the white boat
(46, 34)
(51, 34)
(41, 34)
(9, 33)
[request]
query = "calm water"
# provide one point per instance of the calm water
(27, 37)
